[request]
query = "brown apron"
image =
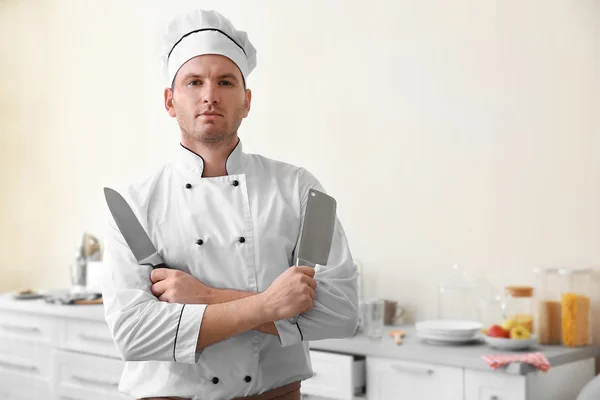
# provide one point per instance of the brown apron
(287, 392)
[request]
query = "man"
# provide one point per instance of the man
(216, 323)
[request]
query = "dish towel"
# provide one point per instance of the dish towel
(538, 360)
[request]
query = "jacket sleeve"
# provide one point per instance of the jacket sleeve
(144, 328)
(335, 310)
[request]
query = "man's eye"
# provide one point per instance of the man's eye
(194, 82)
(225, 83)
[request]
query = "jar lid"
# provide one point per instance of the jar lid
(519, 291)
(545, 270)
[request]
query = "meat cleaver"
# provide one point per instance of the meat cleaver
(317, 231)
(136, 237)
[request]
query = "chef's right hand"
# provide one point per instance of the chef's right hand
(292, 293)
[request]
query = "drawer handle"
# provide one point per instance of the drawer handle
(17, 328)
(91, 338)
(413, 370)
(98, 382)
(30, 368)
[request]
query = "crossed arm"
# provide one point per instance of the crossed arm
(231, 312)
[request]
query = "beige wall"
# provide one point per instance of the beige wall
(449, 131)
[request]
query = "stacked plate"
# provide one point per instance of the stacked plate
(448, 331)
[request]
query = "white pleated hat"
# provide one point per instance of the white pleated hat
(199, 32)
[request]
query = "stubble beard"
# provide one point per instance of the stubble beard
(215, 136)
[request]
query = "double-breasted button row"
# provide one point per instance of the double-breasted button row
(234, 183)
(200, 242)
(247, 378)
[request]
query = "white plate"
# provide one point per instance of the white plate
(510, 344)
(450, 334)
(448, 339)
(449, 327)
(27, 296)
(442, 340)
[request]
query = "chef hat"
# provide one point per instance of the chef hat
(200, 32)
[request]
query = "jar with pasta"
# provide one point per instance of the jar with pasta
(547, 316)
(576, 315)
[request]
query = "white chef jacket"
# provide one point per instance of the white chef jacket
(238, 231)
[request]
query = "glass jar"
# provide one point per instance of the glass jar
(518, 302)
(547, 317)
(576, 315)
(491, 304)
(458, 297)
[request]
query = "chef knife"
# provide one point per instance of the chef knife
(317, 231)
(136, 237)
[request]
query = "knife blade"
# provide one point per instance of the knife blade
(132, 230)
(317, 231)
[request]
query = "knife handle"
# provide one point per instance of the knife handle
(154, 260)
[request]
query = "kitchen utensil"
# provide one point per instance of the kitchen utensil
(136, 237)
(317, 231)
(88, 249)
(392, 312)
(397, 335)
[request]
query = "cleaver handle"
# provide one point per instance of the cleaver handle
(300, 262)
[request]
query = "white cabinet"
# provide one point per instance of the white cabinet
(86, 377)
(25, 356)
(562, 382)
(57, 358)
(85, 336)
(389, 379)
(480, 385)
(336, 376)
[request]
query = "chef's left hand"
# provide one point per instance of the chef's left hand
(175, 286)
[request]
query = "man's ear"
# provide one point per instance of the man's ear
(169, 102)
(248, 102)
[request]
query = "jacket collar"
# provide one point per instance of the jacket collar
(195, 163)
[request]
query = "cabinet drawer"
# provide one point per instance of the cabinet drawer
(82, 376)
(36, 328)
(336, 376)
(74, 392)
(481, 385)
(92, 337)
(22, 386)
(393, 379)
(26, 358)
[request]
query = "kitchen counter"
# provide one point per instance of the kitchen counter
(465, 355)
(412, 349)
(93, 312)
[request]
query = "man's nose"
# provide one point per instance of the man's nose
(210, 94)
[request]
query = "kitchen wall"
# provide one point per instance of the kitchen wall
(449, 131)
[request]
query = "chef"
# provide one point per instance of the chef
(218, 323)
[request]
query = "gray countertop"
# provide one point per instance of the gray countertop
(464, 355)
(39, 306)
(412, 349)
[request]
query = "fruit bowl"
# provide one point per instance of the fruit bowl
(510, 344)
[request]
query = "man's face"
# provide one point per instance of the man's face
(209, 99)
